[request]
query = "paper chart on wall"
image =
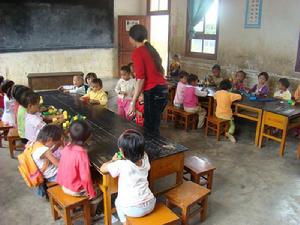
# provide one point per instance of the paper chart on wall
(253, 13)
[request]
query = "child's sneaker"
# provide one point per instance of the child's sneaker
(231, 137)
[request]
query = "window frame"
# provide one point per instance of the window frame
(202, 36)
(159, 12)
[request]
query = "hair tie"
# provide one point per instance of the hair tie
(144, 41)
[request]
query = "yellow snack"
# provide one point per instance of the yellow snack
(41, 100)
(67, 123)
(75, 118)
(65, 113)
(64, 125)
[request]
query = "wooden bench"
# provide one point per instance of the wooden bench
(198, 168)
(161, 215)
(184, 119)
(63, 205)
(12, 137)
(218, 126)
(185, 197)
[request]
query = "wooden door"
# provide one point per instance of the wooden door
(124, 47)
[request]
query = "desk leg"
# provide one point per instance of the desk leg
(298, 151)
(104, 187)
(283, 140)
(258, 127)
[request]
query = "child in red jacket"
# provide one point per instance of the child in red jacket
(139, 107)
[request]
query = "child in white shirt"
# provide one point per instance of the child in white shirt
(77, 87)
(8, 116)
(283, 92)
(135, 199)
(125, 91)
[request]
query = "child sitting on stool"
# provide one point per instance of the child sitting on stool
(223, 110)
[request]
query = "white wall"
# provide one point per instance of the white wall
(16, 66)
(271, 48)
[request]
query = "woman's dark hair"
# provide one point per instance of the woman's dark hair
(265, 74)
(90, 75)
(284, 82)
(225, 85)
(18, 90)
(132, 144)
(6, 87)
(183, 74)
(139, 33)
(242, 72)
(31, 98)
(216, 67)
(126, 68)
(80, 131)
(97, 81)
(192, 78)
(50, 131)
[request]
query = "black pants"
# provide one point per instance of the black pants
(155, 101)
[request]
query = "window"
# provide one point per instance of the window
(158, 7)
(203, 42)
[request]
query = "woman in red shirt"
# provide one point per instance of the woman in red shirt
(150, 79)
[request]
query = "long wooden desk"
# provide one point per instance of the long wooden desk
(166, 157)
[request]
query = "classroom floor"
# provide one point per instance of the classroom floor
(251, 186)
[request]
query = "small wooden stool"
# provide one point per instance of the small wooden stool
(62, 205)
(185, 196)
(169, 110)
(219, 126)
(161, 215)
(12, 137)
(4, 128)
(185, 119)
(198, 168)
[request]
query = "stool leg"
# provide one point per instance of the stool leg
(210, 180)
(67, 216)
(206, 128)
(186, 123)
(184, 216)
(53, 211)
(218, 132)
(195, 178)
(203, 211)
(11, 147)
(86, 213)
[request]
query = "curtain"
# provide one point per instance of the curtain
(197, 10)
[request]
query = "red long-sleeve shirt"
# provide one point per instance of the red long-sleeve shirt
(74, 170)
(145, 68)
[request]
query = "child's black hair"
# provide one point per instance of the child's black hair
(242, 72)
(183, 74)
(216, 67)
(225, 85)
(6, 87)
(90, 75)
(24, 96)
(192, 78)
(80, 131)
(284, 82)
(265, 74)
(50, 131)
(132, 144)
(18, 90)
(126, 68)
(1, 79)
(31, 98)
(130, 64)
(97, 81)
